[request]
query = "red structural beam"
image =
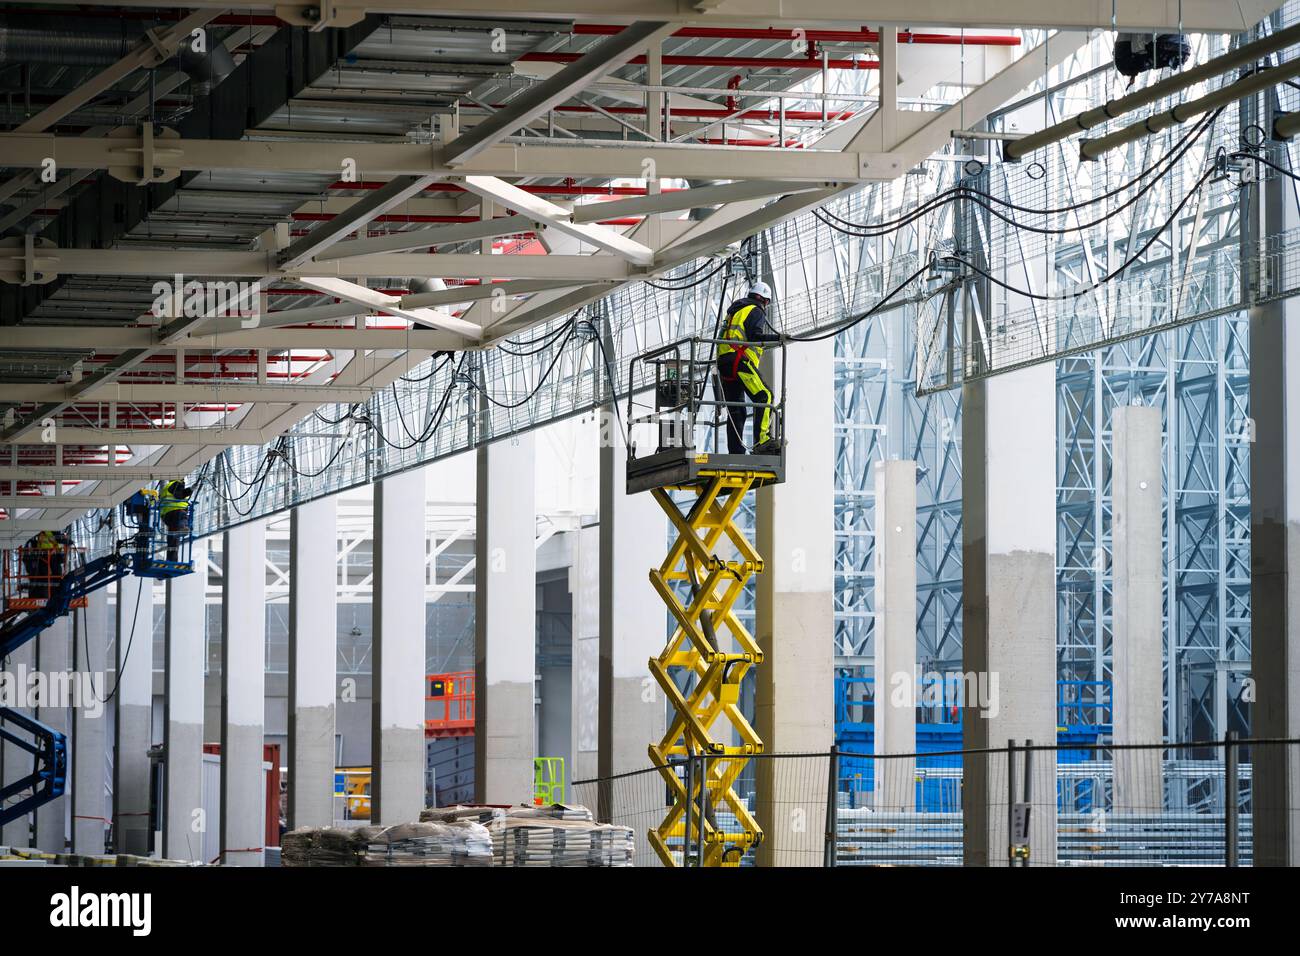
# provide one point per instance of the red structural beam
(812, 36)
(730, 62)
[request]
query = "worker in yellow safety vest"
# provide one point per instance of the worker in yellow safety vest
(174, 507)
(49, 562)
(746, 324)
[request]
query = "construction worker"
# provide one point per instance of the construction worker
(746, 323)
(174, 506)
(49, 562)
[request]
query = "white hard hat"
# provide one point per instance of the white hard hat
(761, 289)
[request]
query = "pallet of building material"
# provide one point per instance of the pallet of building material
(320, 846)
(532, 840)
(554, 811)
(483, 815)
(459, 843)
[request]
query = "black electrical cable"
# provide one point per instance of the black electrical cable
(613, 385)
(256, 479)
(529, 397)
(434, 421)
(691, 285)
(397, 400)
(328, 464)
(1104, 279)
(851, 322)
(126, 655)
(960, 191)
(337, 421)
(445, 356)
(545, 337)
(550, 339)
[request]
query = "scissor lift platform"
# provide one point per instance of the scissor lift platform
(677, 467)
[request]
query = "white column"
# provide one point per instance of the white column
(243, 689)
(183, 823)
(1009, 597)
(794, 706)
(133, 711)
(505, 592)
(17, 762)
(585, 587)
(1137, 493)
(54, 660)
(895, 645)
(398, 655)
(1274, 552)
(90, 727)
(633, 620)
(313, 661)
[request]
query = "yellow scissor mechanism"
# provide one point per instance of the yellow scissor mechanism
(714, 583)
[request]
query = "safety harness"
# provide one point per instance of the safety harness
(736, 330)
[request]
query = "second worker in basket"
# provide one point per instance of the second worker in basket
(746, 324)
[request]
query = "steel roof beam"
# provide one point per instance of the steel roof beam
(1189, 15)
(376, 203)
(602, 237)
(610, 159)
(608, 55)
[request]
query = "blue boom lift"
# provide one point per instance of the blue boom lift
(42, 593)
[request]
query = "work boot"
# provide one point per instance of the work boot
(770, 447)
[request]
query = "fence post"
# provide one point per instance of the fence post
(832, 807)
(1011, 801)
(686, 815)
(1029, 800)
(1230, 798)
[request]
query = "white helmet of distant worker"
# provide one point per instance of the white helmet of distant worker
(762, 290)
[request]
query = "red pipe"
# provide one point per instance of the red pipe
(732, 84)
(734, 62)
(701, 113)
(812, 36)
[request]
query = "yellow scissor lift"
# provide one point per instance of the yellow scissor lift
(710, 561)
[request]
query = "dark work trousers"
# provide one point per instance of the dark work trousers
(178, 524)
(748, 385)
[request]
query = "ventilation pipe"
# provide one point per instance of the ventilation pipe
(29, 39)
(1254, 83)
(208, 67)
(1242, 56)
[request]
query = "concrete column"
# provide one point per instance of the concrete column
(1274, 553)
(398, 664)
(183, 823)
(133, 714)
(17, 762)
(794, 699)
(90, 727)
(1137, 642)
(895, 666)
(243, 691)
(1009, 602)
(313, 661)
(585, 586)
(54, 660)
(633, 621)
(505, 625)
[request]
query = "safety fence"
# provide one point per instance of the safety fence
(1200, 803)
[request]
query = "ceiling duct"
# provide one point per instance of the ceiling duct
(208, 67)
(29, 39)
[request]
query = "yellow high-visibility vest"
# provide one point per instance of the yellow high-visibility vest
(168, 502)
(735, 329)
